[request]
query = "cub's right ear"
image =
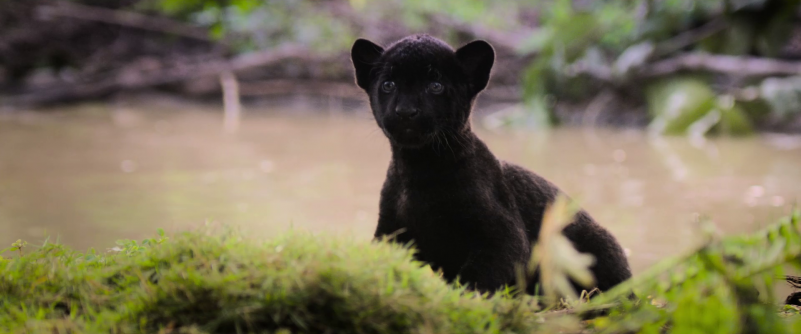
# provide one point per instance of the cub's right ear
(477, 58)
(364, 55)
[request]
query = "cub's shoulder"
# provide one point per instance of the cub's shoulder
(522, 180)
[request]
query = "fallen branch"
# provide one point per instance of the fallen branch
(701, 62)
(337, 89)
(304, 87)
(122, 18)
(733, 65)
(146, 74)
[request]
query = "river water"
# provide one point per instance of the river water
(90, 174)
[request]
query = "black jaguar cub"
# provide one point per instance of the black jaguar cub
(467, 213)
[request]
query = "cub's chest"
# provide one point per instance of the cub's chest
(433, 207)
(443, 224)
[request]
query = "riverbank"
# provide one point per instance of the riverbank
(734, 66)
(502, 103)
(219, 282)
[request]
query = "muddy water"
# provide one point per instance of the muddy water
(91, 174)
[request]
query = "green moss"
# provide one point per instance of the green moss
(224, 284)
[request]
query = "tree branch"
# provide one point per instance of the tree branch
(733, 65)
(309, 86)
(122, 18)
(146, 74)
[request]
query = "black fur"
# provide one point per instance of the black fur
(467, 213)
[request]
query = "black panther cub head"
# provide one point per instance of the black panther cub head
(419, 87)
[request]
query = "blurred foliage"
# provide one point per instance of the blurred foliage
(263, 24)
(725, 286)
(585, 47)
(782, 94)
(575, 50)
(682, 105)
(255, 25)
(579, 49)
(417, 14)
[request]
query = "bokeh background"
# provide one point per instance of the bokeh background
(121, 117)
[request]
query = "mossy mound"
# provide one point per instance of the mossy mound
(298, 283)
(223, 284)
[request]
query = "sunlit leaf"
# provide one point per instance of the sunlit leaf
(677, 103)
(555, 256)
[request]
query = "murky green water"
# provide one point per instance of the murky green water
(92, 174)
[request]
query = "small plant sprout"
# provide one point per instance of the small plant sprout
(18, 246)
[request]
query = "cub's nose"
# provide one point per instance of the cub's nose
(406, 112)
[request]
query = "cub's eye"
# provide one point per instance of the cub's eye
(436, 88)
(388, 86)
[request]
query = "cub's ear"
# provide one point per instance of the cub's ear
(364, 55)
(477, 58)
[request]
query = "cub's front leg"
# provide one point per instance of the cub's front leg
(389, 228)
(492, 266)
(388, 224)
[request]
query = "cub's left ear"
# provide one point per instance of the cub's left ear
(364, 55)
(477, 58)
